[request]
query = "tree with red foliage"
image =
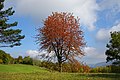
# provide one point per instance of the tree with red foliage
(61, 34)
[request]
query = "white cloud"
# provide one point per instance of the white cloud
(115, 28)
(92, 52)
(110, 4)
(87, 12)
(104, 34)
(40, 9)
(33, 53)
(112, 7)
(93, 55)
(36, 54)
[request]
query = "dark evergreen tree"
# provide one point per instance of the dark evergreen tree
(113, 52)
(9, 37)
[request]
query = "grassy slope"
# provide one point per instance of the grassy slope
(19, 68)
(27, 72)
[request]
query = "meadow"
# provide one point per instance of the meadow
(28, 72)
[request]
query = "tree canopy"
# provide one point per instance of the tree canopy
(61, 35)
(9, 37)
(113, 52)
(5, 58)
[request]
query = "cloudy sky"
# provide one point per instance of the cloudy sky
(97, 17)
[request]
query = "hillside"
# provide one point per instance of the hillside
(100, 64)
(28, 72)
(20, 68)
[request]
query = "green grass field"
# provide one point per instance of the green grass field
(28, 72)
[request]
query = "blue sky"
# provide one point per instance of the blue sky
(97, 17)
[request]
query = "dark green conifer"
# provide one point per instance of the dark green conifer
(9, 37)
(113, 51)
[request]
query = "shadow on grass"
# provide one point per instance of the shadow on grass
(105, 75)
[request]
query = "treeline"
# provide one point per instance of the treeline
(8, 59)
(66, 66)
(106, 69)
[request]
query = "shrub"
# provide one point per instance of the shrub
(28, 60)
(115, 69)
(106, 69)
(1, 61)
(66, 67)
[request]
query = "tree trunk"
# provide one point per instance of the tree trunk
(60, 67)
